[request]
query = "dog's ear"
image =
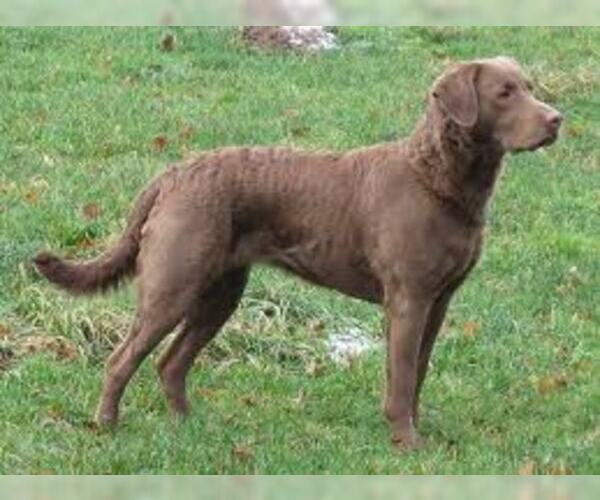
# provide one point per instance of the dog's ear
(456, 93)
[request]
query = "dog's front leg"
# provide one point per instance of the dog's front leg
(406, 317)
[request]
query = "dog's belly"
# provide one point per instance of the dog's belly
(349, 276)
(333, 261)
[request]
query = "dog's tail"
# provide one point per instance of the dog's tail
(109, 269)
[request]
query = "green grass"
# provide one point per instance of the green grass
(514, 383)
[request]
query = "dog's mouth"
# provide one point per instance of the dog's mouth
(545, 141)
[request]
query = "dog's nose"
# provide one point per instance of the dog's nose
(554, 120)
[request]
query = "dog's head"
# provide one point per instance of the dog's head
(492, 98)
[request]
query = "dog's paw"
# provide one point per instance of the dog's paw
(407, 440)
(105, 420)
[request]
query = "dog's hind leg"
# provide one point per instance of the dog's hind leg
(146, 332)
(202, 323)
(177, 264)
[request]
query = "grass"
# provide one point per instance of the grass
(88, 115)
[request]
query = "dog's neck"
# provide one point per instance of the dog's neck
(458, 167)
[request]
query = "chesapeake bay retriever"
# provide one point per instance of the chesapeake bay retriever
(397, 224)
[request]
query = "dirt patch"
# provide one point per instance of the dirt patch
(62, 348)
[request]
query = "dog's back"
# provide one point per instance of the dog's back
(299, 210)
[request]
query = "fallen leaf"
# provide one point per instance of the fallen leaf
(167, 42)
(31, 196)
(91, 211)
(249, 400)
(160, 142)
(242, 452)
(470, 329)
(551, 382)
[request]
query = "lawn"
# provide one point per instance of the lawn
(88, 115)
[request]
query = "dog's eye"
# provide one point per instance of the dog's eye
(506, 91)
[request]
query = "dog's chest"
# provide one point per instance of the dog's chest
(463, 250)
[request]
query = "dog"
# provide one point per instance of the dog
(398, 224)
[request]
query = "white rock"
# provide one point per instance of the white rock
(345, 346)
(312, 38)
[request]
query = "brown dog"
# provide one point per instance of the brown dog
(398, 224)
